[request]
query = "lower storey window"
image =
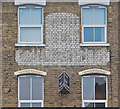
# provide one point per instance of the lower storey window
(94, 104)
(30, 104)
(30, 91)
(94, 91)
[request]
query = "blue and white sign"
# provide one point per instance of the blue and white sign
(64, 82)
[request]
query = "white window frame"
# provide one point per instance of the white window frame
(20, 26)
(30, 101)
(96, 101)
(105, 26)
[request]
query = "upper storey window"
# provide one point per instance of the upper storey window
(30, 25)
(94, 24)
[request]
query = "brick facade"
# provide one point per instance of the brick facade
(62, 53)
(119, 51)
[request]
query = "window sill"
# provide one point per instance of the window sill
(30, 45)
(97, 45)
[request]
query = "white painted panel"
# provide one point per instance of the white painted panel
(37, 2)
(102, 2)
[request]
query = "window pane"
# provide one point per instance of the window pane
(24, 104)
(24, 14)
(99, 104)
(36, 16)
(100, 18)
(36, 105)
(93, 16)
(37, 88)
(30, 34)
(89, 104)
(89, 34)
(24, 85)
(100, 88)
(87, 16)
(99, 34)
(88, 88)
(94, 34)
(30, 16)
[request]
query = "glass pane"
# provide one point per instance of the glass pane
(24, 104)
(99, 104)
(30, 16)
(24, 88)
(36, 105)
(99, 34)
(93, 16)
(100, 88)
(88, 34)
(36, 16)
(37, 88)
(87, 16)
(89, 104)
(30, 34)
(88, 88)
(24, 14)
(100, 17)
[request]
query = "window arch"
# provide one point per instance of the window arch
(30, 71)
(94, 71)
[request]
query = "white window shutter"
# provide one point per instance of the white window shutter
(36, 2)
(102, 2)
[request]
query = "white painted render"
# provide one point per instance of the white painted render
(36, 2)
(102, 2)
